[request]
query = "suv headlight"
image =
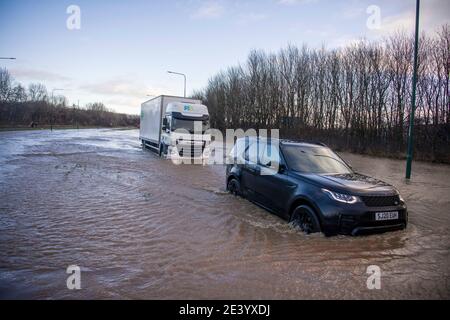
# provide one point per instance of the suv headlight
(341, 197)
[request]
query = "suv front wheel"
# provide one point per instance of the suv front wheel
(305, 218)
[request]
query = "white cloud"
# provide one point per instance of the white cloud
(344, 41)
(37, 75)
(116, 87)
(433, 14)
(251, 17)
(208, 10)
(122, 94)
(294, 2)
(394, 23)
(127, 105)
(319, 33)
(352, 12)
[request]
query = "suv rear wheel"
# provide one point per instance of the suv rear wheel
(234, 187)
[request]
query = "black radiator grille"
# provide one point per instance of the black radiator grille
(381, 201)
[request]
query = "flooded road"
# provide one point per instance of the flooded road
(142, 228)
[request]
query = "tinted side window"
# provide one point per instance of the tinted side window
(270, 155)
(237, 153)
(253, 152)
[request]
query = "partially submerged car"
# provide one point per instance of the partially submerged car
(313, 188)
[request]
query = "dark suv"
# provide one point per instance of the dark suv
(312, 187)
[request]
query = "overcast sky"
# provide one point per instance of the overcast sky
(123, 49)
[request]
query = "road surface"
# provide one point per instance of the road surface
(140, 227)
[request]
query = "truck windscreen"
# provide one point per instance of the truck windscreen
(188, 124)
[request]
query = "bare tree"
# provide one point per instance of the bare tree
(356, 98)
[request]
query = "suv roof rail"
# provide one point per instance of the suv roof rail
(319, 143)
(303, 141)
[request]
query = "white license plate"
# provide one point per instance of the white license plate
(390, 215)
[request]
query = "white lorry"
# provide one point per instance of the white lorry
(174, 127)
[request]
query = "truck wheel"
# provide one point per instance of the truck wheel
(163, 150)
(305, 218)
(234, 187)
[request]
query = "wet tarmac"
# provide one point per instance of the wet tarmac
(142, 228)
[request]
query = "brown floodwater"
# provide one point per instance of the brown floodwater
(142, 228)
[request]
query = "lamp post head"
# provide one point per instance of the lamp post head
(184, 76)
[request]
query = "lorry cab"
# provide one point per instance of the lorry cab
(183, 131)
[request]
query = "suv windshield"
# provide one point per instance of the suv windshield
(188, 124)
(314, 159)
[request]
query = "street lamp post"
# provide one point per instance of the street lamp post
(7, 58)
(53, 107)
(413, 99)
(180, 74)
